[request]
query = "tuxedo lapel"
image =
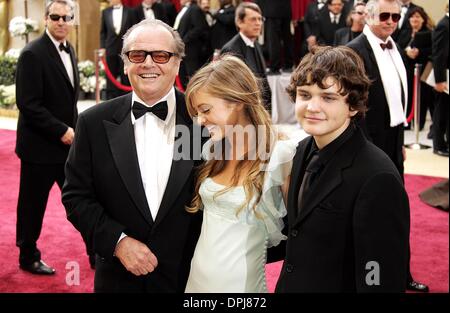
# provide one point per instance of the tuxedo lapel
(180, 169)
(76, 77)
(124, 20)
(54, 54)
(109, 19)
(331, 176)
(122, 142)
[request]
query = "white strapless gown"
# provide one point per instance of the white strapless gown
(230, 255)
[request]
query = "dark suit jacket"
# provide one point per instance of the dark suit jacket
(170, 11)
(440, 50)
(158, 10)
(193, 30)
(343, 36)
(224, 29)
(327, 29)
(311, 21)
(109, 40)
(276, 9)
(357, 213)
(47, 102)
(238, 47)
(104, 196)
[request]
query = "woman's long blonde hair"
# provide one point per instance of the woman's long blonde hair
(230, 79)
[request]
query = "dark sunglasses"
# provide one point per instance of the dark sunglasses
(56, 17)
(139, 56)
(385, 16)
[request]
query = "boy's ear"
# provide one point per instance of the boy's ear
(353, 112)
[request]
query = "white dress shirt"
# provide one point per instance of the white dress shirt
(248, 42)
(117, 18)
(393, 76)
(65, 57)
(335, 18)
(154, 145)
(180, 16)
(148, 11)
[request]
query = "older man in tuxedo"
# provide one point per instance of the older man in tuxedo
(127, 184)
(47, 87)
(384, 124)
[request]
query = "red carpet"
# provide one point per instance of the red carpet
(61, 245)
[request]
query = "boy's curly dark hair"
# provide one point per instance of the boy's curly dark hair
(340, 63)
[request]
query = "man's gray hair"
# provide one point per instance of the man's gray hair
(129, 36)
(69, 3)
(373, 10)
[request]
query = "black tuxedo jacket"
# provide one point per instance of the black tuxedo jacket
(238, 47)
(440, 50)
(358, 213)
(377, 121)
(193, 30)
(275, 9)
(224, 29)
(157, 8)
(47, 102)
(327, 29)
(109, 40)
(170, 11)
(311, 21)
(104, 196)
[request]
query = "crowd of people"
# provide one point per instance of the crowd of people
(195, 192)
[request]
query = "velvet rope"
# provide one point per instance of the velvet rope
(113, 79)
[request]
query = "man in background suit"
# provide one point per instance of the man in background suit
(278, 16)
(311, 23)
(384, 123)
(193, 29)
(331, 19)
(440, 66)
(224, 28)
(337, 203)
(128, 182)
(150, 9)
(47, 87)
(115, 22)
(245, 45)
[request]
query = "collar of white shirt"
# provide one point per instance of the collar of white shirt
(55, 42)
(171, 105)
(333, 16)
(247, 40)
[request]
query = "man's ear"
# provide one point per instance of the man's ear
(353, 112)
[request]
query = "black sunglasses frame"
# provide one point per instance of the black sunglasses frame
(56, 17)
(147, 53)
(386, 15)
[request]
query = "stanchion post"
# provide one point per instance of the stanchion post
(416, 100)
(99, 54)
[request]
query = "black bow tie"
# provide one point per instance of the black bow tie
(62, 47)
(160, 110)
(387, 45)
